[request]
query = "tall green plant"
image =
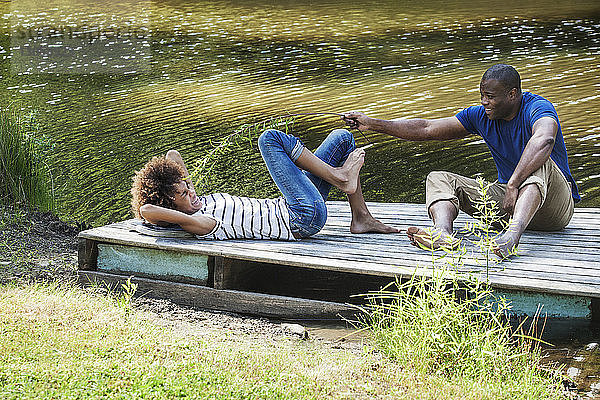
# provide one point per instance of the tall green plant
(25, 179)
(483, 230)
(246, 134)
(444, 322)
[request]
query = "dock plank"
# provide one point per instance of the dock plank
(565, 262)
(402, 255)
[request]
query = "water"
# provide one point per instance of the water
(114, 83)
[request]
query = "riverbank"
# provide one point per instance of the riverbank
(61, 340)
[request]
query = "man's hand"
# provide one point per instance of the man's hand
(536, 153)
(356, 119)
(510, 199)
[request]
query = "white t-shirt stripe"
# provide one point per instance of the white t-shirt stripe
(246, 218)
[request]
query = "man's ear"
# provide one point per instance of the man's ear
(513, 93)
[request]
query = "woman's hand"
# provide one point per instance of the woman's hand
(176, 156)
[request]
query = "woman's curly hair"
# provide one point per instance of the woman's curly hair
(155, 184)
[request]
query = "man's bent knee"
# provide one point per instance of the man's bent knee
(534, 185)
(437, 176)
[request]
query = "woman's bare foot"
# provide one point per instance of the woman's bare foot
(348, 173)
(431, 238)
(369, 224)
(506, 245)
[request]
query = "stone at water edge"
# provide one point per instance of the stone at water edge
(295, 329)
(572, 372)
(591, 346)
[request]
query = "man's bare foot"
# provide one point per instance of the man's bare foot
(431, 238)
(506, 245)
(370, 225)
(348, 173)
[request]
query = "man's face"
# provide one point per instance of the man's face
(499, 102)
(185, 199)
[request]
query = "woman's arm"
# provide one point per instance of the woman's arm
(176, 156)
(196, 224)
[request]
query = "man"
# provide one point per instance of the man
(523, 133)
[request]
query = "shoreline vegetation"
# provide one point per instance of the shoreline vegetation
(25, 177)
(60, 340)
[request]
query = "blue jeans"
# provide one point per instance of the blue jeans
(304, 193)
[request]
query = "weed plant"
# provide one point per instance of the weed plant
(203, 169)
(25, 179)
(483, 230)
(124, 297)
(445, 322)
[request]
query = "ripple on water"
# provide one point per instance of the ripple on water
(140, 77)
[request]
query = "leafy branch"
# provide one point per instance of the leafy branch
(487, 220)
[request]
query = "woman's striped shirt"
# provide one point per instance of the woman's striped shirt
(246, 218)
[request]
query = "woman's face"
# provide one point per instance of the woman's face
(186, 200)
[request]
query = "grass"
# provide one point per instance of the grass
(452, 324)
(59, 341)
(63, 342)
(25, 179)
(424, 327)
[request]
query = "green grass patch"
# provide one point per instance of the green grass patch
(62, 343)
(459, 330)
(65, 342)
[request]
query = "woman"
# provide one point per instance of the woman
(163, 193)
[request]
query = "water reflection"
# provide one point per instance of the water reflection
(117, 82)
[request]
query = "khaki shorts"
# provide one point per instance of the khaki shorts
(555, 211)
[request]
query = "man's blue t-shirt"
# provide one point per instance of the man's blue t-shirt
(507, 139)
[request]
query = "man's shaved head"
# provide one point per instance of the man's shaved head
(505, 74)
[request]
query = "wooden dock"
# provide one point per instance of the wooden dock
(318, 277)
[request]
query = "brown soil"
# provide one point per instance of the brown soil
(36, 246)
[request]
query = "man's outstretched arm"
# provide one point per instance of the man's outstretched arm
(409, 129)
(536, 153)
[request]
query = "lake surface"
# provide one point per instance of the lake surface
(113, 83)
